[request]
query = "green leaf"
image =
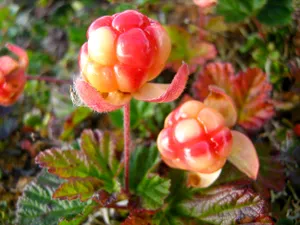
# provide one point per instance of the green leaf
(67, 164)
(153, 191)
(180, 43)
(276, 12)
(224, 205)
(100, 147)
(78, 115)
(87, 171)
(36, 206)
(79, 188)
(179, 189)
(116, 118)
(141, 162)
(79, 218)
(139, 111)
(238, 10)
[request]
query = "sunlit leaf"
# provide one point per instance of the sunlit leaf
(224, 205)
(249, 90)
(86, 171)
(77, 188)
(252, 97)
(67, 164)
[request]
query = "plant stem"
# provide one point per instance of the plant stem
(48, 79)
(127, 144)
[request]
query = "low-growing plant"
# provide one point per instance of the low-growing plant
(135, 144)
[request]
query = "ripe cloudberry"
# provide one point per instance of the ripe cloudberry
(12, 75)
(123, 52)
(195, 138)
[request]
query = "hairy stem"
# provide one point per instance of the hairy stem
(48, 79)
(127, 144)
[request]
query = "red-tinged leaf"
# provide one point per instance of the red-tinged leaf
(223, 103)
(225, 205)
(152, 92)
(93, 99)
(219, 74)
(266, 220)
(136, 220)
(67, 164)
(243, 155)
(77, 188)
(252, 96)
(104, 198)
(84, 173)
(249, 90)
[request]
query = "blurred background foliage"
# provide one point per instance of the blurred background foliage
(252, 33)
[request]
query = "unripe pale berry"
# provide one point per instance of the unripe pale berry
(123, 52)
(195, 138)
